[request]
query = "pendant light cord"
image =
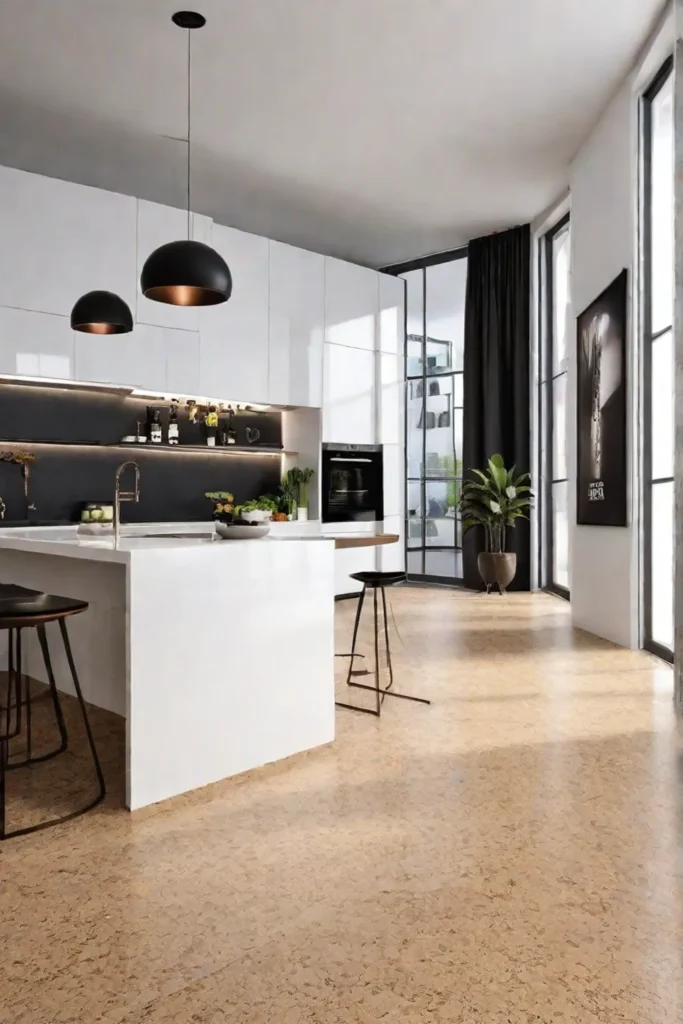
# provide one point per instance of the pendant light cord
(189, 125)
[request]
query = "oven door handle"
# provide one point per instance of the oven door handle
(339, 458)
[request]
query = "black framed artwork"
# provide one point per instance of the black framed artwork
(601, 408)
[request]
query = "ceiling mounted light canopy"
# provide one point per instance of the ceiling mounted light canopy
(187, 273)
(101, 312)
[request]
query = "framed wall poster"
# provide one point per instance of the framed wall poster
(601, 408)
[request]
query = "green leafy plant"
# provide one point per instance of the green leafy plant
(266, 503)
(299, 480)
(289, 493)
(495, 501)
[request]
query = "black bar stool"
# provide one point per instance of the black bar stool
(375, 581)
(22, 609)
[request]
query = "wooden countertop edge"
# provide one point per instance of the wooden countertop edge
(365, 542)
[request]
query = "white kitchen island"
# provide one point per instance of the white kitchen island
(219, 654)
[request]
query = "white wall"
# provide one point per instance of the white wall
(604, 184)
(604, 560)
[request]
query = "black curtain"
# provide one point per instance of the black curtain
(496, 375)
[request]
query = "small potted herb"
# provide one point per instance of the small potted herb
(223, 508)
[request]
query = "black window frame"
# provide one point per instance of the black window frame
(398, 269)
(546, 411)
(648, 337)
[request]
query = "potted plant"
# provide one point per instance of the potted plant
(288, 492)
(223, 508)
(495, 501)
(300, 479)
(257, 510)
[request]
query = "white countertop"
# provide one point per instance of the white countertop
(135, 537)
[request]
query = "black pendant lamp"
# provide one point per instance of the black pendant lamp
(101, 313)
(187, 273)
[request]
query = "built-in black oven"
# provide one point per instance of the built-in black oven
(352, 483)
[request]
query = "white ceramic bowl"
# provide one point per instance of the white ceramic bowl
(257, 515)
(233, 531)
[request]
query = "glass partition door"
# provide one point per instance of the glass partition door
(435, 329)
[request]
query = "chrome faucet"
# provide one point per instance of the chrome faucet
(120, 495)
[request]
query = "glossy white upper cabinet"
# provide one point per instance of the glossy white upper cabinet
(182, 362)
(351, 304)
(297, 326)
(60, 240)
(391, 314)
(157, 225)
(233, 337)
(36, 344)
(137, 359)
(349, 395)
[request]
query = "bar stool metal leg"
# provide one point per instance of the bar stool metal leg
(378, 699)
(54, 694)
(3, 760)
(386, 640)
(84, 712)
(29, 723)
(343, 704)
(14, 701)
(56, 706)
(387, 692)
(356, 624)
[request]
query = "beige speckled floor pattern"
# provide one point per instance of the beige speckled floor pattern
(513, 853)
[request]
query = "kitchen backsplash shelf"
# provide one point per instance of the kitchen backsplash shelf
(232, 449)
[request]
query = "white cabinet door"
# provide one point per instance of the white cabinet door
(182, 362)
(137, 359)
(297, 326)
(60, 240)
(394, 479)
(233, 337)
(391, 399)
(157, 225)
(36, 344)
(391, 314)
(349, 395)
(392, 557)
(351, 304)
(348, 560)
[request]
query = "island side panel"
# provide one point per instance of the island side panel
(97, 636)
(231, 650)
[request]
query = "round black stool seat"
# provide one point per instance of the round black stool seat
(379, 579)
(20, 605)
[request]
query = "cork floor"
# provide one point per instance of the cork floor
(511, 854)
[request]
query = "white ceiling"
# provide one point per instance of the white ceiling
(376, 130)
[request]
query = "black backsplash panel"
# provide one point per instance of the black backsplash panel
(81, 468)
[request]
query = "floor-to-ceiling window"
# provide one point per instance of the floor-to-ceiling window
(658, 364)
(435, 330)
(554, 486)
